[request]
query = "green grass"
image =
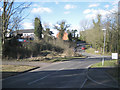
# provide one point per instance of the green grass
(10, 70)
(106, 64)
(92, 51)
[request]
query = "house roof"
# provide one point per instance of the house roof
(65, 36)
(25, 31)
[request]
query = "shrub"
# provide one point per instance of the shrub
(33, 48)
(14, 49)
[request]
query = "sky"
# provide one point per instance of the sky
(73, 12)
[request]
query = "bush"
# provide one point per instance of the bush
(16, 50)
(62, 47)
(12, 49)
(33, 48)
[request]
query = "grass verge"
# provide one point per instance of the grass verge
(10, 70)
(92, 51)
(61, 59)
(52, 57)
(108, 63)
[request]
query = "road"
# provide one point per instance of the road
(67, 74)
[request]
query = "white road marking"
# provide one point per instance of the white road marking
(19, 75)
(83, 83)
(38, 79)
(89, 66)
(44, 77)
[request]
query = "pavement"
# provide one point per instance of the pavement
(99, 77)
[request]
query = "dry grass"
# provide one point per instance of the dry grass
(10, 70)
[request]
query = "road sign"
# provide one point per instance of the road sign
(114, 55)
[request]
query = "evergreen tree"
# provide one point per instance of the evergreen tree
(38, 28)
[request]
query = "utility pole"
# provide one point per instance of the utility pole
(104, 31)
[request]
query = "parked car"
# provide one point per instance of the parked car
(22, 40)
(83, 47)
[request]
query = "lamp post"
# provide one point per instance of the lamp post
(104, 31)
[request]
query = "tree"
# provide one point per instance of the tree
(61, 27)
(38, 28)
(113, 33)
(11, 16)
(47, 34)
(85, 24)
(0, 27)
(47, 29)
(94, 35)
(69, 35)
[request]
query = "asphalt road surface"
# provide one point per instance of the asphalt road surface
(68, 74)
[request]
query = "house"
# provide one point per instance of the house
(25, 33)
(9, 33)
(65, 36)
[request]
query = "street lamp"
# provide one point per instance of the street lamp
(104, 31)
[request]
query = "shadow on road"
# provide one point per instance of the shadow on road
(70, 74)
(67, 78)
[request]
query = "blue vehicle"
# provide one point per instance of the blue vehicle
(22, 40)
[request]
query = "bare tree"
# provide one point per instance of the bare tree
(85, 24)
(62, 27)
(11, 16)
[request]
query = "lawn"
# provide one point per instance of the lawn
(10, 70)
